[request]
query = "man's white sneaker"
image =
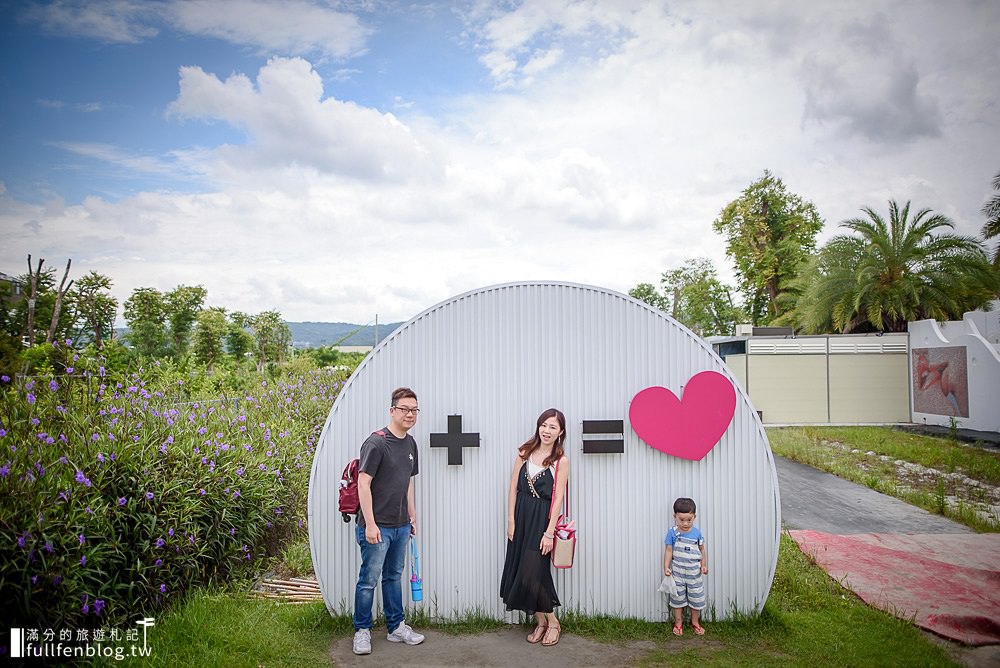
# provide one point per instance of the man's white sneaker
(404, 633)
(363, 641)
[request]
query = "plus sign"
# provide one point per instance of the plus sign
(455, 440)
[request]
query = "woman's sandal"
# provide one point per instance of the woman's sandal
(547, 640)
(678, 630)
(698, 630)
(537, 635)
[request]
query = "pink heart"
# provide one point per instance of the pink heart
(687, 427)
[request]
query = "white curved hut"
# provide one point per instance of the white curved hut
(497, 357)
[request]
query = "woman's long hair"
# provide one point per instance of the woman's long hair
(535, 442)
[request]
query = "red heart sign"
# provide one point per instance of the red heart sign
(688, 427)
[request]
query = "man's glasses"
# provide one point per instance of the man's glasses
(407, 411)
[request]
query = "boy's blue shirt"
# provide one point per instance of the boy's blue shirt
(673, 533)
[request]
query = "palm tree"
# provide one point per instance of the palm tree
(882, 274)
(992, 212)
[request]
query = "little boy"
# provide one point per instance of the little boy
(686, 559)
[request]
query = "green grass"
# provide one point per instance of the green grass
(809, 620)
(844, 451)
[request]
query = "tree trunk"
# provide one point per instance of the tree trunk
(63, 289)
(32, 296)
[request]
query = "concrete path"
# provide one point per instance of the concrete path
(820, 501)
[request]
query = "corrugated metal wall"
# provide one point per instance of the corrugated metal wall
(498, 357)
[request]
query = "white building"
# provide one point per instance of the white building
(484, 365)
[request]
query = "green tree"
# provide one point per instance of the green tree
(146, 317)
(647, 293)
(183, 304)
(272, 337)
(94, 308)
(44, 308)
(239, 341)
(700, 300)
(882, 274)
(769, 232)
(694, 296)
(991, 209)
(210, 329)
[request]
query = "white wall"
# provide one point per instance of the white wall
(983, 365)
(501, 355)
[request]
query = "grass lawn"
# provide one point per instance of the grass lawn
(809, 620)
(941, 475)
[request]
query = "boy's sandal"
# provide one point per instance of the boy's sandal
(536, 635)
(678, 631)
(552, 635)
(698, 630)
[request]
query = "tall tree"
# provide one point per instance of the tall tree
(882, 274)
(183, 304)
(146, 316)
(694, 296)
(648, 294)
(57, 307)
(94, 306)
(991, 209)
(239, 342)
(209, 331)
(272, 337)
(769, 232)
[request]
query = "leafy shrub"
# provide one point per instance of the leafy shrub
(121, 491)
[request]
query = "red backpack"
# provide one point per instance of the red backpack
(348, 503)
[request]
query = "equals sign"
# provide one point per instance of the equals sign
(603, 437)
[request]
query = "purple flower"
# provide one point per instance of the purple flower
(69, 342)
(83, 539)
(163, 588)
(232, 532)
(160, 542)
(53, 385)
(31, 398)
(201, 492)
(100, 457)
(236, 494)
(122, 501)
(149, 496)
(79, 476)
(100, 371)
(83, 560)
(163, 448)
(239, 471)
(48, 547)
(5, 470)
(98, 606)
(95, 437)
(57, 580)
(86, 608)
(170, 532)
(69, 369)
(5, 378)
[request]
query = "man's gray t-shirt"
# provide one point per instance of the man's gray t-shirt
(391, 462)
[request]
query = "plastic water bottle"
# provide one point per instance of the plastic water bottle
(416, 588)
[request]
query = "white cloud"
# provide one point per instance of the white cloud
(289, 122)
(639, 124)
(291, 27)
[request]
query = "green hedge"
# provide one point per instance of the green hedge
(120, 492)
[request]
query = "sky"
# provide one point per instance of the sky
(347, 161)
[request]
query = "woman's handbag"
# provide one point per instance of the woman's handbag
(564, 541)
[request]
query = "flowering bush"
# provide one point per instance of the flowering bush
(120, 491)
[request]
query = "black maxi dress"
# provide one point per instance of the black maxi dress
(527, 583)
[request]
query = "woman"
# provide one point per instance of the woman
(526, 583)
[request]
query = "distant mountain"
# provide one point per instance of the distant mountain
(320, 334)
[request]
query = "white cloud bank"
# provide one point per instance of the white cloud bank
(612, 141)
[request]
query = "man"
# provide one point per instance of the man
(388, 519)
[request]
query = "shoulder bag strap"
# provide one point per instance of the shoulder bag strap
(552, 500)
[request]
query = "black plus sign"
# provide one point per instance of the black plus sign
(455, 440)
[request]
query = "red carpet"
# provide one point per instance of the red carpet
(946, 583)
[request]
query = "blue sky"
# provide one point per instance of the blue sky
(334, 160)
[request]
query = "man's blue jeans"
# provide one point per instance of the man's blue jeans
(385, 559)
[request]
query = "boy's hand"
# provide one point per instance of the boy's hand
(704, 570)
(666, 571)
